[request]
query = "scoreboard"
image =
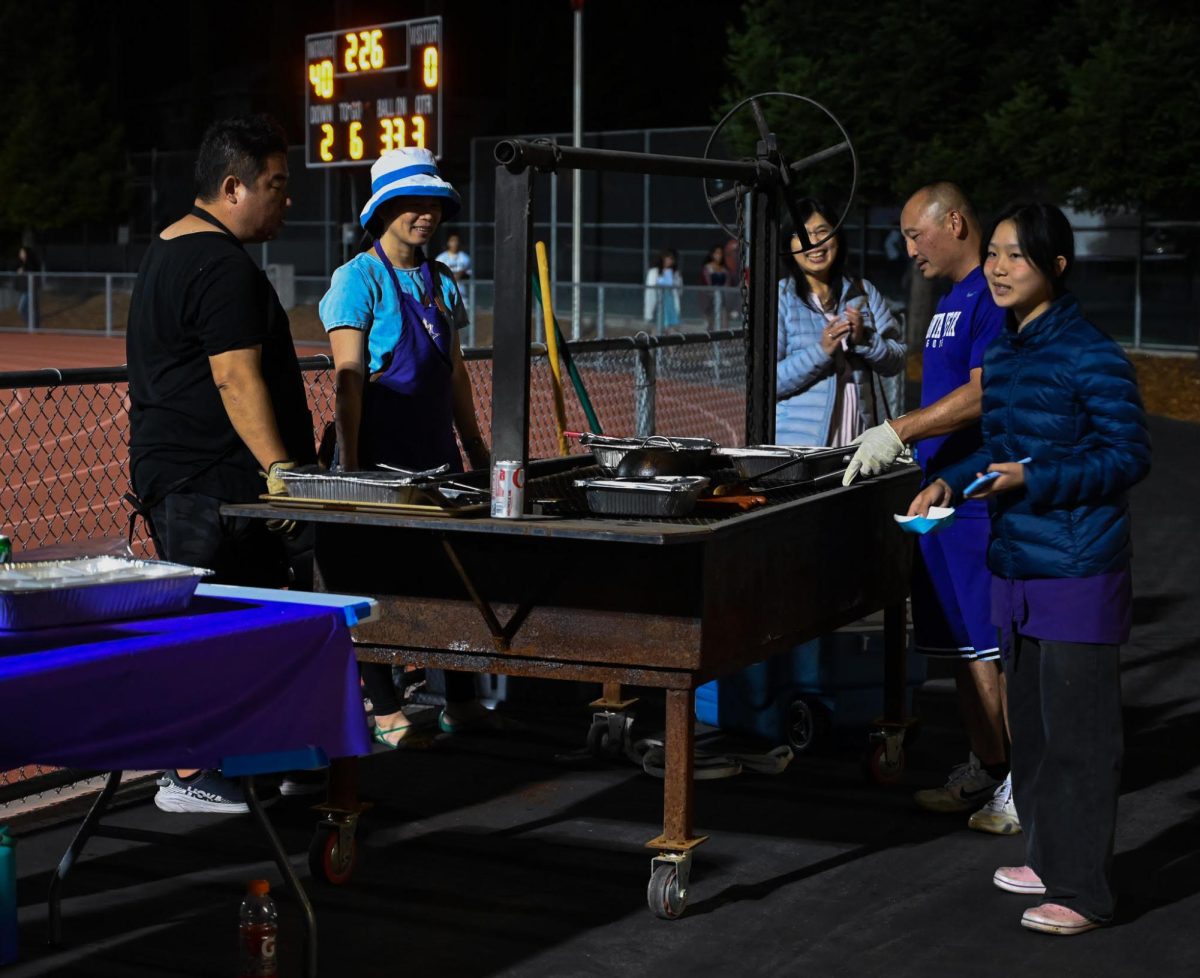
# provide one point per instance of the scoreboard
(373, 89)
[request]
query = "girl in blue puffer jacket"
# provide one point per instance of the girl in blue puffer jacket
(834, 335)
(1059, 395)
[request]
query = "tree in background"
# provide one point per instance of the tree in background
(62, 159)
(1090, 102)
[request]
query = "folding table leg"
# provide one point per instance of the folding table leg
(86, 830)
(289, 877)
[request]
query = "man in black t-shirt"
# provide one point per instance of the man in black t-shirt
(216, 397)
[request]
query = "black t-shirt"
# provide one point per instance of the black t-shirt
(196, 296)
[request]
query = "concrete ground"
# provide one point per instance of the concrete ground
(484, 856)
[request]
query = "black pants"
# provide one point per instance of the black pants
(188, 528)
(377, 678)
(1064, 708)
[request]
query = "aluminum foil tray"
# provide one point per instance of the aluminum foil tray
(50, 593)
(810, 463)
(608, 452)
(373, 486)
(665, 495)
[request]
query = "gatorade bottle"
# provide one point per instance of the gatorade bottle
(257, 931)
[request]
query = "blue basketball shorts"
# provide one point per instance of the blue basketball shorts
(951, 592)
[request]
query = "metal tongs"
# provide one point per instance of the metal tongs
(429, 478)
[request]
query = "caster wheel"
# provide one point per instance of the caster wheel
(877, 767)
(663, 894)
(807, 726)
(328, 860)
(601, 743)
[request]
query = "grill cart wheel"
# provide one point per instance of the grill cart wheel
(332, 854)
(664, 895)
(881, 769)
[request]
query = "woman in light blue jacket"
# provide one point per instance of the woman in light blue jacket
(835, 335)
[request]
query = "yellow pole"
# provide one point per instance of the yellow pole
(560, 411)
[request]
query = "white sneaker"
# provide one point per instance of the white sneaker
(968, 786)
(999, 815)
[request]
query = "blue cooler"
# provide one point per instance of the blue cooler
(802, 696)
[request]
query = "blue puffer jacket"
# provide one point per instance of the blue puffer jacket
(1063, 393)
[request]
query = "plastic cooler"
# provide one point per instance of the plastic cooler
(802, 697)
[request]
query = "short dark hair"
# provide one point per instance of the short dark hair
(1044, 233)
(239, 145)
(805, 209)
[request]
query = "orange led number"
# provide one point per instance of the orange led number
(356, 143)
(418, 131)
(320, 76)
(363, 51)
(431, 67)
(326, 141)
(392, 136)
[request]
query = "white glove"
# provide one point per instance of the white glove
(878, 448)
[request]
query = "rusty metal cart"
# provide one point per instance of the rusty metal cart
(668, 604)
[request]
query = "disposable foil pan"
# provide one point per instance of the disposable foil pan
(764, 460)
(664, 495)
(373, 486)
(608, 451)
(49, 593)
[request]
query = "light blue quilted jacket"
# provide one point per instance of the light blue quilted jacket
(805, 385)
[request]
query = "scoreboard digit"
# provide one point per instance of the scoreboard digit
(373, 89)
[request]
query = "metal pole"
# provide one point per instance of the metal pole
(108, 305)
(644, 377)
(513, 307)
(646, 207)
(599, 312)
(764, 314)
(472, 309)
(327, 229)
(553, 227)
(31, 309)
(577, 179)
(1137, 284)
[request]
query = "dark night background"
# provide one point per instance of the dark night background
(507, 65)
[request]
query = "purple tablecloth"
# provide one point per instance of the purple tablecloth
(224, 678)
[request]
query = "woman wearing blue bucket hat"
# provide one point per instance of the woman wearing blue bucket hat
(402, 389)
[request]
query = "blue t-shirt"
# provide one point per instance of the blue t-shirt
(966, 322)
(361, 295)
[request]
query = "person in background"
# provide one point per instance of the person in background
(715, 276)
(217, 405)
(27, 264)
(835, 334)
(950, 579)
(1064, 439)
(401, 387)
(455, 259)
(664, 286)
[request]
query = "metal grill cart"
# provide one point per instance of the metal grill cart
(652, 602)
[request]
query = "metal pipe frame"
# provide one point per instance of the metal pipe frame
(518, 160)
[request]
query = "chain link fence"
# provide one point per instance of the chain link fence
(64, 444)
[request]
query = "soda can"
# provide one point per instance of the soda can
(5, 549)
(508, 490)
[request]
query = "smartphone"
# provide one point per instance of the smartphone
(982, 481)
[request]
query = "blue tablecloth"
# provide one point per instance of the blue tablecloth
(224, 678)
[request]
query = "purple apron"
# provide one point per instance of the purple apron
(408, 414)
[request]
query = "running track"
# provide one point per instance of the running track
(64, 449)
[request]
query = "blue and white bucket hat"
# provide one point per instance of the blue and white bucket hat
(409, 173)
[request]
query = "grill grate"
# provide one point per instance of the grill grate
(559, 495)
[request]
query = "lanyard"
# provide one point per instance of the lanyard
(387, 263)
(204, 215)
